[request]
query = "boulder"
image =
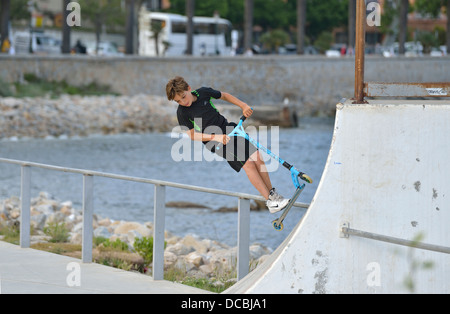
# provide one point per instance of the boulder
(126, 227)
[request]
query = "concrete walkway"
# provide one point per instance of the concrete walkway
(28, 271)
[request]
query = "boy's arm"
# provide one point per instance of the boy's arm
(246, 110)
(197, 136)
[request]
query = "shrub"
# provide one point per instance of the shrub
(144, 247)
(57, 231)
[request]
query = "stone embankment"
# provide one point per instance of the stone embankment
(69, 116)
(200, 258)
(83, 115)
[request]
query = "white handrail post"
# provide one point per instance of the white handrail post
(243, 258)
(158, 232)
(25, 206)
(88, 212)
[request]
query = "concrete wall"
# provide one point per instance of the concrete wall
(313, 84)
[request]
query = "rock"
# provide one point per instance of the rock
(258, 250)
(38, 221)
(183, 265)
(80, 116)
(201, 258)
(194, 258)
(132, 235)
(78, 228)
(106, 222)
(206, 269)
(223, 260)
(75, 238)
(14, 214)
(39, 239)
(185, 205)
(180, 249)
(170, 240)
(66, 208)
(191, 241)
(102, 232)
(46, 209)
(126, 227)
(57, 217)
(169, 259)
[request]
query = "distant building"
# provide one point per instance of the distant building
(416, 22)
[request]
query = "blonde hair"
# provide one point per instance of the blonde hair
(176, 86)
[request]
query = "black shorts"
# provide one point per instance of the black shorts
(237, 151)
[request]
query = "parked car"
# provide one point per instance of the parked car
(436, 52)
(336, 51)
(291, 49)
(412, 49)
(105, 48)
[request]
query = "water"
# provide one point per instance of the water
(149, 156)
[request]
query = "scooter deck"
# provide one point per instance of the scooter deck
(278, 223)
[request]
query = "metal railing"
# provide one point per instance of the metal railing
(243, 256)
(346, 231)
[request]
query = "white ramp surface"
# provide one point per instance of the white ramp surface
(388, 173)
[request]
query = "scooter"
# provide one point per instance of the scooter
(295, 174)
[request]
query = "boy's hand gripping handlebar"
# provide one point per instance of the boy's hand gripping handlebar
(238, 131)
(295, 174)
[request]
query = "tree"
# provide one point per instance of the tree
(301, 23)
(190, 9)
(429, 7)
(434, 8)
(274, 39)
(103, 13)
(351, 23)
(65, 47)
(248, 21)
(274, 14)
(5, 9)
(129, 26)
(324, 16)
(156, 27)
(404, 8)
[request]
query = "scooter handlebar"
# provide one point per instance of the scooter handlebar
(243, 118)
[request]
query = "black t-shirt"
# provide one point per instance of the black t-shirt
(202, 115)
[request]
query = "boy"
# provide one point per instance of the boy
(198, 114)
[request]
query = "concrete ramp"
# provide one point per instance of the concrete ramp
(388, 173)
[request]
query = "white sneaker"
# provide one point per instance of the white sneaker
(276, 202)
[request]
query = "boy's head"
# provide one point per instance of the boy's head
(178, 89)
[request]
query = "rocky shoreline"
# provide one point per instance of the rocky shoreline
(69, 116)
(198, 258)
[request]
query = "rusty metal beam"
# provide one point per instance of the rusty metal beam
(360, 51)
(379, 89)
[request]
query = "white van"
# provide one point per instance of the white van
(37, 43)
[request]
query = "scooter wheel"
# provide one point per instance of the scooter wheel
(277, 226)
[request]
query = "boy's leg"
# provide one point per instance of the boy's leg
(261, 166)
(254, 175)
